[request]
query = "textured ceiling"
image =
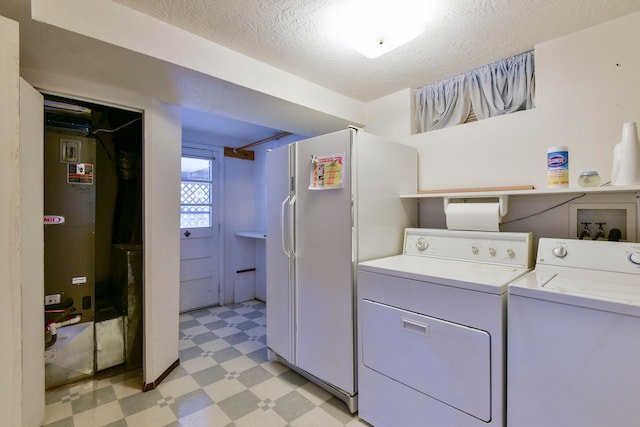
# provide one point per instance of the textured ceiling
(291, 35)
(463, 34)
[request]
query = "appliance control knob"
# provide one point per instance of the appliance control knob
(475, 250)
(635, 258)
(421, 244)
(511, 253)
(559, 251)
(492, 251)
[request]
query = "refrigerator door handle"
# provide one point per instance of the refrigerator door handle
(282, 229)
(292, 226)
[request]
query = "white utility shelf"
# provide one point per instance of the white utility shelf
(462, 194)
(252, 234)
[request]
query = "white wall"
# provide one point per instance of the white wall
(586, 88)
(582, 100)
(507, 150)
(244, 205)
(262, 85)
(162, 145)
(391, 116)
(240, 206)
(241, 213)
(10, 260)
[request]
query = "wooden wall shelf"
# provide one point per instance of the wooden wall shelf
(471, 193)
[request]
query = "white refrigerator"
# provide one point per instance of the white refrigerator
(332, 201)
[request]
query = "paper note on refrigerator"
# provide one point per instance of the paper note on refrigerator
(326, 172)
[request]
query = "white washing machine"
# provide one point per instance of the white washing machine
(574, 337)
(432, 326)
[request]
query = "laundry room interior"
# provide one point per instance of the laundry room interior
(120, 111)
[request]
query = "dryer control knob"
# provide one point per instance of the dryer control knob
(635, 258)
(560, 251)
(422, 244)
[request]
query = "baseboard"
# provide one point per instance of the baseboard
(154, 384)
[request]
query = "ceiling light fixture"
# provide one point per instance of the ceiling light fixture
(376, 27)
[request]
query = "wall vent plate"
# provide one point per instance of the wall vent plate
(612, 215)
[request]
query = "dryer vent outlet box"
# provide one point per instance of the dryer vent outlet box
(609, 216)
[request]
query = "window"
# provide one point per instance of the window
(195, 193)
(500, 88)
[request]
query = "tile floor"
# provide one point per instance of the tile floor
(224, 380)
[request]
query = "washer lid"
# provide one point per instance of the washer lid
(615, 292)
(475, 276)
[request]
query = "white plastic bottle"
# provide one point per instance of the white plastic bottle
(626, 157)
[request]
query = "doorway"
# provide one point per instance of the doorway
(199, 227)
(93, 245)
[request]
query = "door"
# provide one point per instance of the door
(199, 228)
(446, 361)
(323, 250)
(32, 236)
(278, 247)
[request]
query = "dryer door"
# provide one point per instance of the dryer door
(446, 361)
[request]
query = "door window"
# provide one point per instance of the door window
(195, 193)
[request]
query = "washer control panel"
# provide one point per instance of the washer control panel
(479, 246)
(623, 257)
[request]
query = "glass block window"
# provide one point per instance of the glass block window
(195, 193)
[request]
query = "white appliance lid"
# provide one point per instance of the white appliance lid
(600, 290)
(488, 278)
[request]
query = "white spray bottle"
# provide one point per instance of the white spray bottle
(626, 157)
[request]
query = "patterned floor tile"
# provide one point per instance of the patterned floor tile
(153, 416)
(100, 415)
(224, 389)
(207, 417)
(224, 379)
(293, 405)
(93, 399)
(179, 386)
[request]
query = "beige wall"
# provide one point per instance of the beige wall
(10, 261)
(32, 253)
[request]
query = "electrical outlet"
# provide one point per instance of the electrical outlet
(600, 218)
(52, 299)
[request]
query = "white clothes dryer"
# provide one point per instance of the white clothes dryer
(431, 328)
(574, 337)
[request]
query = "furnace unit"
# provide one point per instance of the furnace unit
(69, 258)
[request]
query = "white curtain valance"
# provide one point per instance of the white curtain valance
(500, 88)
(443, 103)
